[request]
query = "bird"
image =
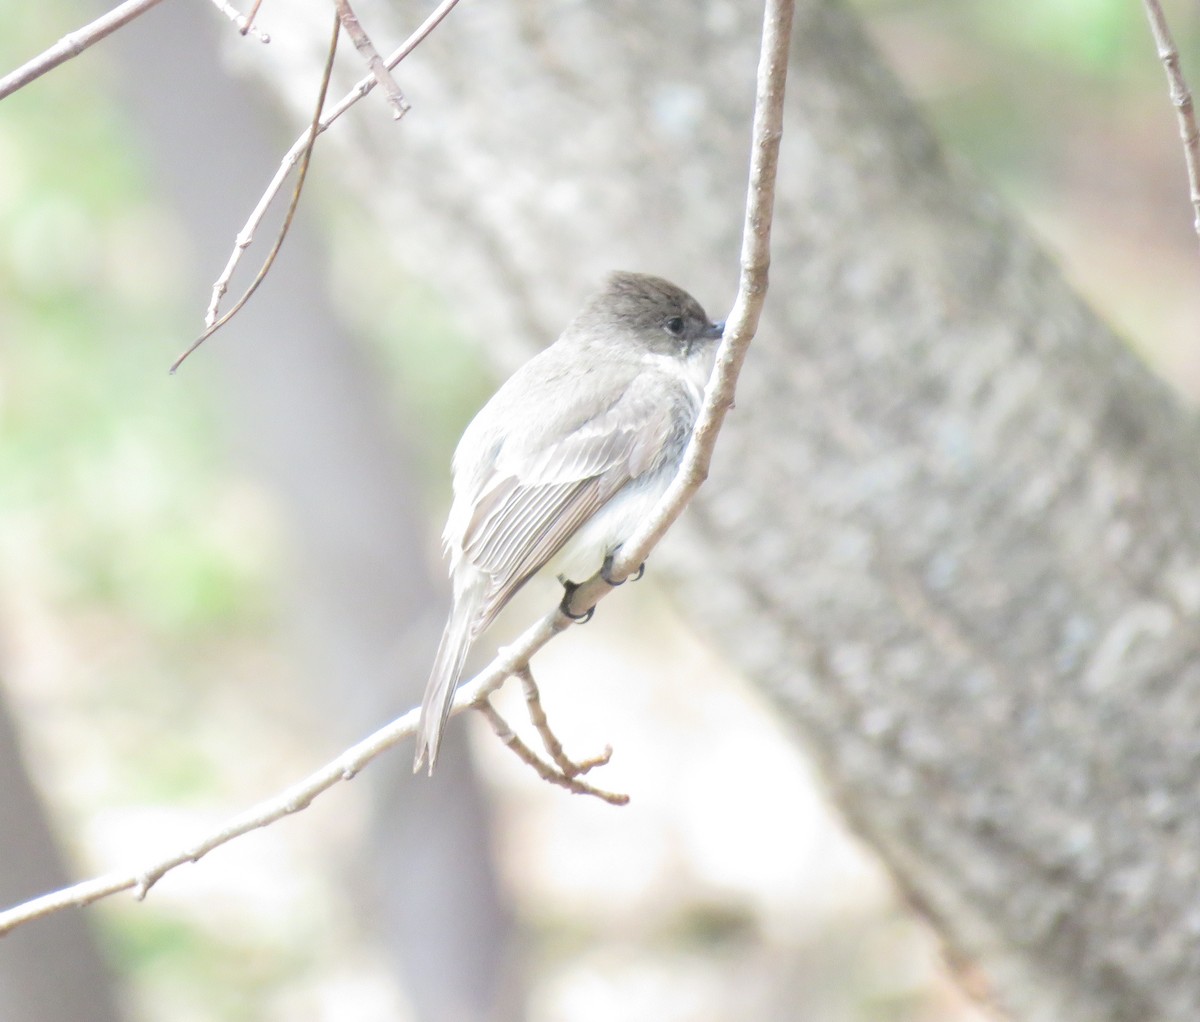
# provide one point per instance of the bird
(566, 459)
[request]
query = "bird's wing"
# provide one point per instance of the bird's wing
(531, 500)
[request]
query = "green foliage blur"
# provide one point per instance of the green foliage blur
(110, 482)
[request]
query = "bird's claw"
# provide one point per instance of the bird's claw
(606, 571)
(569, 588)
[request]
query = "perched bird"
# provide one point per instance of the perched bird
(567, 458)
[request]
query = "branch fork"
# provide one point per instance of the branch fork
(564, 771)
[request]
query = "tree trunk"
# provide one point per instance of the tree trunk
(51, 970)
(309, 415)
(952, 518)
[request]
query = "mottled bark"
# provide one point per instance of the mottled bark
(951, 527)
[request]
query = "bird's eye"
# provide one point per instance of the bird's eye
(674, 326)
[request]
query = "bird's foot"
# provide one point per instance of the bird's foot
(606, 571)
(569, 588)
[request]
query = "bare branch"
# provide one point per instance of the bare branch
(1181, 99)
(411, 43)
(248, 21)
(544, 770)
(299, 796)
(246, 236)
(306, 157)
(362, 42)
(289, 801)
(73, 44)
(537, 716)
(514, 659)
(244, 23)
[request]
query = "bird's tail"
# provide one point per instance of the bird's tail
(443, 679)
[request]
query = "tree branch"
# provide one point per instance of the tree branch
(553, 747)
(379, 70)
(248, 20)
(567, 777)
(243, 22)
(742, 322)
(1181, 99)
(73, 44)
(305, 159)
(514, 659)
(246, 235)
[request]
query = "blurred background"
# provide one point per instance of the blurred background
(208, 586)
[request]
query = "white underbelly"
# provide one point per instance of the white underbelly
(584, 553)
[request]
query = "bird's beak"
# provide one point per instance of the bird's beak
(715, 330)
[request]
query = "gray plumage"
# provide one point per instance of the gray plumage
(566, 458)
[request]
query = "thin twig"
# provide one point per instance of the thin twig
(362, 42)
(73, 44)
(544, 770)
(364, 86)
(513, 659)
(306, 158)
(1181, 99)
(292, 800)
(244, 23)
(248, 21)
(537, 717)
